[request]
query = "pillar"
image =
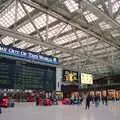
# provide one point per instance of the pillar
(58, 78)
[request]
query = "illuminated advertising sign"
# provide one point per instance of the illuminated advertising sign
(70, 76)
(19, 53)
(86, 78)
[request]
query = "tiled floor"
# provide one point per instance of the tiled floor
(30, 112)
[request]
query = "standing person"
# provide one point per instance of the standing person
(99, 98)
(0, 104)
(102, 99)
(37, 101)
(81, 100)
(88, 99)
(0, 110)
(106, 100)
(96, 99)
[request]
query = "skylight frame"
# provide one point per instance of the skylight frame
(115, 6)
(38, 49)
(23, 44)
(104, 26)
(7, 17)
(55, 30)
(65, 39)
(115, 33)
(8, 40)
(90, 17)
(71, 5)
(39, 21)
(27, 28)
(92, 1)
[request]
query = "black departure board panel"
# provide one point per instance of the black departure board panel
(6, 73)
(70, 76)
(24, 75)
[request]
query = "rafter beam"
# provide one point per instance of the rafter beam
(31, 20)
(100, 14)
(110, 8)
(4, 4)
(17, 35)
(22, 22)
(57, 13)
(28, 38)
(100, 55)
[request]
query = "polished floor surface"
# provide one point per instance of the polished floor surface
(27, 111)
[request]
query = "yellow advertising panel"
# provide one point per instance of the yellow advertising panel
(70, 76)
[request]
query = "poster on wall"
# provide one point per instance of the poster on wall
(86, 78)
(70, 76)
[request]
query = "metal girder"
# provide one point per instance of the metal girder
(117, 13)
(79, 40)
(15, 18)
(110, 8)
(86, 65)
(58, 13)
(11, 33)
(40, 30)
(17, 35)
(25, 19)
(43, 28)
(55, 37)
(76, 40)
(102, 2)
(90, 66)
(95, 44)
(100, 14)
(22, 21)
(103, 55)
(5, 4)
(31, 47)
(68, 43)
(100, 55)
(30, 19)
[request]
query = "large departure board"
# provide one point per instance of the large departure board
(24, 75)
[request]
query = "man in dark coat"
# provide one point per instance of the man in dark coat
(88, 99)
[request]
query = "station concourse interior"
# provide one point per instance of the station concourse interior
(60, 59)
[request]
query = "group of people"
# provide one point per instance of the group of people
(50, 98)
(96, 100)
(47, 98)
